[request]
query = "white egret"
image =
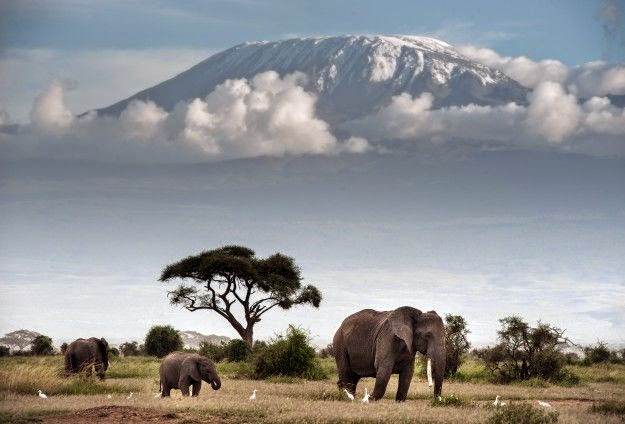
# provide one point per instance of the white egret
(253, 397)
(349, 395)
(42, 395)
(544, 404)
(130, 395)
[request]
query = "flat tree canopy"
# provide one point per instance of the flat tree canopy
(237, 285)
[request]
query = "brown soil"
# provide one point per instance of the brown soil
(129, 415)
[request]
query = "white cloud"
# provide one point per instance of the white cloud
(49, 113)
(265, 116)
(524, 70)
(552, 112)
(597, 79)
(106, 75)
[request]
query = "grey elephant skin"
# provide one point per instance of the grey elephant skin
(82, 355)
(181, 370)
(377, 344)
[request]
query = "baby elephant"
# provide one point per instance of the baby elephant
(180, 370)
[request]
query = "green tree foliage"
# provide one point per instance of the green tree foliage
(4, 351)
(130, 349)
(113, 352)
(42, 345)
(232, 277)
(162, 340)
(213, 351)
(327, 351)
(288, 355)
(456, 342)
(525, 352)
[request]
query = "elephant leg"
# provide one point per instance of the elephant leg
(184, 384)
(347, 378)
(99, 369)
(405, 377)
(197, 385)
(166, 392)
(382, 377)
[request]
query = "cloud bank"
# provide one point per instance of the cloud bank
(568, 109)
(265, 116)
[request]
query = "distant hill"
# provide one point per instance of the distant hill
(18, 340)
(193, 339)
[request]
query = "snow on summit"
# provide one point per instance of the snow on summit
(352, 75)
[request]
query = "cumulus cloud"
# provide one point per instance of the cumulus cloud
(587, 80)
(265, 116)
(552, 113)
(49, 113)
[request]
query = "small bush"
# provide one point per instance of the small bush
(450, 400)
(237, 350)
(130, 349)
(4, 351)
(162, 340)
(522, 413)
(289, 355)
(327, 351)
(215, 352)
(610, 407)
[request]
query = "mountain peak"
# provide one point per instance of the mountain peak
(353, 75)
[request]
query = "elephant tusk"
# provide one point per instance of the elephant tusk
(429, 370)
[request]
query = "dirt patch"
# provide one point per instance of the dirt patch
(130, 415)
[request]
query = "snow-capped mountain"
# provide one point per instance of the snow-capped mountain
(352, 75)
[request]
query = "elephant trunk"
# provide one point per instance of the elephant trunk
(216, 383)
(436, 352)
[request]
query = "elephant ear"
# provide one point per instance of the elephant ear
(402, 323)
(189, 367)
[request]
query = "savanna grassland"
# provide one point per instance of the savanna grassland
(599, 398)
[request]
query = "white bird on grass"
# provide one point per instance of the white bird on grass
(109, 397)
(130, 395)
(365, 399)
(545, 404)
(349, 395)
(498, 403)
(253, 397)
(157, 395)
(42, 395)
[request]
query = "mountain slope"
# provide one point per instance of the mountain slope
(353, 75)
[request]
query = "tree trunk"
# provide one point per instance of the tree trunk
(248, 337)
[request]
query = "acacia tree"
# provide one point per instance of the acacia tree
(238, 286)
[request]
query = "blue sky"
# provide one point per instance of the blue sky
(569, 30)
(483, 230)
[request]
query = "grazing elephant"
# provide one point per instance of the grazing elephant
(83, 354)
(180, 370)
(377, 344)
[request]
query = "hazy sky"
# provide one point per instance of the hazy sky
(534, 226)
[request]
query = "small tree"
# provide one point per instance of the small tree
(42, 345)
(4, 351)
(456, 342)
(63, 348)
(232, 278)
(129, 349)
(327, 351)
(597, 353)
(213, 351)
(525, 351)
(161, 340)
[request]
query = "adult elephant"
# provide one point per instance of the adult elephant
(377, 344)
(181, 370)
(82, 355)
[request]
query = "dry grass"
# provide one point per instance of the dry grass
(286, 400)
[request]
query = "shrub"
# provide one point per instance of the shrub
(4, 351)
(596, 354)
(237, 350)
(63, 348)
(42, 345)
(522, 413)
(288, 355)
(162, 340)
(215, 352)
(450, 400)
(113, 352)
(610, 407)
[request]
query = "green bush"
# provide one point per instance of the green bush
(4, 351)
(42, 345)
(162, 340)
(288, 355)
(522, 413)
(450, 400)
(215, 352)
(610, 407)
(237, 350)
